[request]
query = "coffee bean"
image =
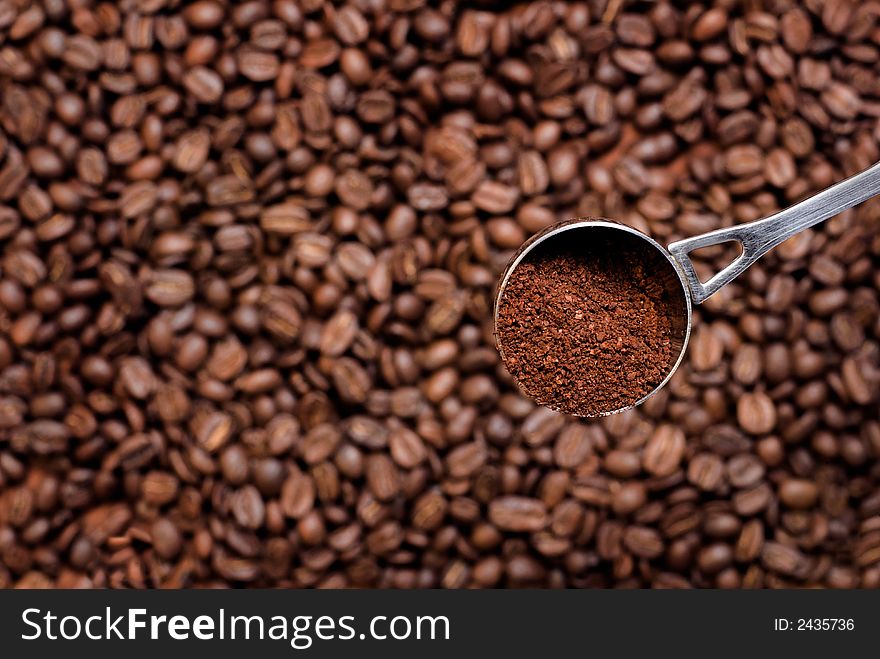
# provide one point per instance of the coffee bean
(338, 333)
(841, 100)
(706, 349)
(285, 219)
(82, 52)
(744, 470)
(466, 459)
(635, 30)
(861, 387)
(382, 476)
(643, 542)
(248, 507)
(709, 25)
(785, 560)
(664, 451)
(533, 175)
(191, 150)
(798, 493)
(629, 499)
(494, 197)
(297, 495)
(212, 430)
(714, 558)
(753, 500)
(796, 30)
(746, 365)
(428, 197)
(706, 471)
(137, 377)
(228, 359)
(375, 107)
(514, 513)
(573, 446)
(779, 168)
(165, 538)
(258, 66)
(227, 191)
(407, 448)
(170, 288)
(204, 84)
(683, 101)
(234, 465)
(598, 105)
(756, 413)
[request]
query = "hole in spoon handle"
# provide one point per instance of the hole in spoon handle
(681, 250)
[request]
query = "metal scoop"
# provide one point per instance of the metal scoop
(680, 280)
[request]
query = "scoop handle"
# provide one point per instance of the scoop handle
(760, 236)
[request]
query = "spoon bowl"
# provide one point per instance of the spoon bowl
(664, 270)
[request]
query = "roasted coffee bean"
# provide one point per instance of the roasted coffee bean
(166, 538)
(744, 470)
(798, 493)
(706, 349)
(664, 451)
(706, 471)
(629, 498)
(204, 84)
(785, 560)
(248, 507)
(643, 542)
(382, 477)
(756, 413)
(514, 513)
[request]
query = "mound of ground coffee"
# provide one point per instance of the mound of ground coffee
(581, 325)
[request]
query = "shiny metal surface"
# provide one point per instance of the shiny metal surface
(757, 238)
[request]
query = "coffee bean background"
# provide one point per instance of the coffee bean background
(247, 260)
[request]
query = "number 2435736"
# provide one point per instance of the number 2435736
(814, 624)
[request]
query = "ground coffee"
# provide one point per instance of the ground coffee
(581, 326)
